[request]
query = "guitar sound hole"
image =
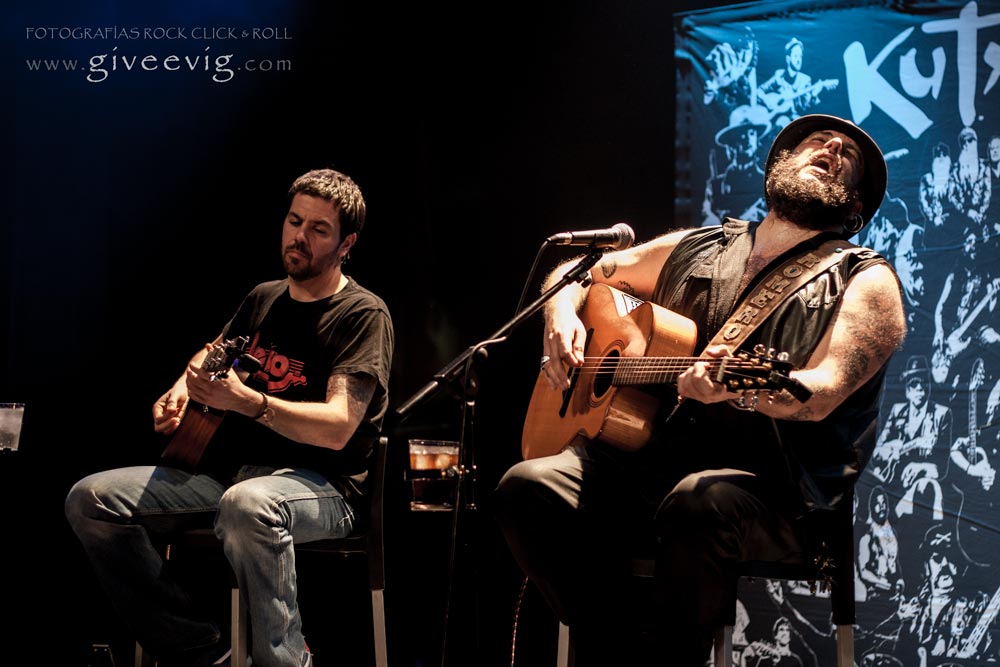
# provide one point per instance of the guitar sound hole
(604, 374)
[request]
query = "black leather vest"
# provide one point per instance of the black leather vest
(815, 461)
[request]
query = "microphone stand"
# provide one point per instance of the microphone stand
(461, 372)
(448, 376)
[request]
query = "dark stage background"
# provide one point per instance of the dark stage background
(144, 204)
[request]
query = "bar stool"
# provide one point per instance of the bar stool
(833, 569)
(368, 542)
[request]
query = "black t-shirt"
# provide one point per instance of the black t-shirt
(300, 345)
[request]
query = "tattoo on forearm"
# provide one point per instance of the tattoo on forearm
(803, 415)
(785, 399)
(608, 268)
(626, 286)
(857, 365)
(359, 389)
(781, 397)
(869, 351)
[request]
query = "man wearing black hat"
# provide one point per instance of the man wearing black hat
(915, 440)
(734, 191)
(724, 475)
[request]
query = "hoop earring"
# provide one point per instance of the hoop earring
(858, 221)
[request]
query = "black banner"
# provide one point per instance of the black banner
(922, 79)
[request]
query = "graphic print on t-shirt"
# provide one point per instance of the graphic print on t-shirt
(276, 370)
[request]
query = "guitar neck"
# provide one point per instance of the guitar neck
(971, 643)
(972, 419)
(736, 373)
(631, 371)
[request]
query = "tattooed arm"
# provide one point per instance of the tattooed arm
(868, 327)
(330, 424)
(634, 270)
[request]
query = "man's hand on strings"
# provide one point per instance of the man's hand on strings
(696, 382)
(562, 346)
(222, 391)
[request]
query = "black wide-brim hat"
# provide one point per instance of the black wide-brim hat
(916, 365)
(871, 187)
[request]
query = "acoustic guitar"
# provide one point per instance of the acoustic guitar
(778, 102)
(631, 343)
(189, 442)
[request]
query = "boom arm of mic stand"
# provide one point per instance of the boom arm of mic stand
(450, 373)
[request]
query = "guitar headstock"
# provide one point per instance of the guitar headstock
(762, 370)
(224, 355)
(978, 376)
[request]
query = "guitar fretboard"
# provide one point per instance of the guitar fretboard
(650, 370)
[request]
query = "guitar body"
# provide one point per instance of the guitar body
(618, 325)
(188, 443)
(885, 458)
(198, 425)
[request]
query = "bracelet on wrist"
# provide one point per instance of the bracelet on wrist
(263, 407)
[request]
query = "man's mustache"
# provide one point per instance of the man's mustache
(298, 247)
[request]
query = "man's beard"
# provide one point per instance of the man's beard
(968, 164)
(311, 267)
(814, 203)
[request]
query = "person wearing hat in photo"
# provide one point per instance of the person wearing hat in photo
(915, 440)
(944, 614)
(914, 446)
(735, 191)
(724, 475)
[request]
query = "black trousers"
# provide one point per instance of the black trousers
(574, 521)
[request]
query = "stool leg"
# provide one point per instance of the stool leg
(378, 623)
(237, 629)
(142, 659)
(722, 647)
(845, 646)
(564, 652)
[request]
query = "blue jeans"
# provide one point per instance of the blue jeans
(258, 518)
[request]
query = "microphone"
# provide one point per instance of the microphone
(618, 237)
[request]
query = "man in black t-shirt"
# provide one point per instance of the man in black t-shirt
(302, 404)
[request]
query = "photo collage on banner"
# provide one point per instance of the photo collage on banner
(924, 80)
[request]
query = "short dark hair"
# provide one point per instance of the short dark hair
(339, 189)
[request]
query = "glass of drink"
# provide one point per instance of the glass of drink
(11, 416)
(434, 474)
